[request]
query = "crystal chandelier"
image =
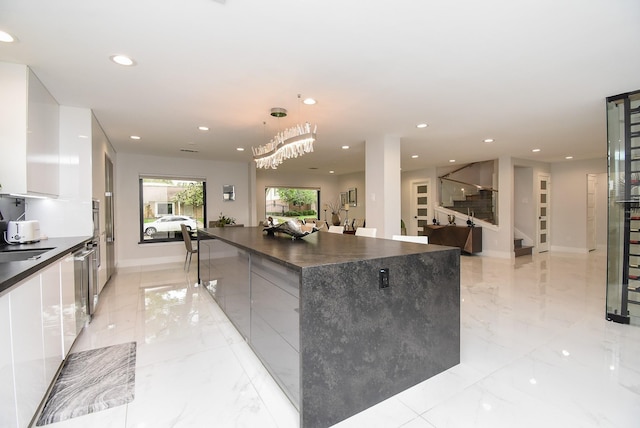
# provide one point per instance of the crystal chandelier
(287, 144)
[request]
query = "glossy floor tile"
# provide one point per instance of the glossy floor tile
(536, 351)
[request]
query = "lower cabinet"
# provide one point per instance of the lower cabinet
(68, 300)
(37, 329)
(28, 351)
(8, 417)
(261, 298)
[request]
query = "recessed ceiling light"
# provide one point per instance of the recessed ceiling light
(83, 136)
(452, 160)
(535, 150)
(488, 140)
(331, 172)
(6, 37)
(345, 147)
(414, 156)
(240, 149)
(568, 157)
(309, 101)
(421, 125)
(122, 60)
(203, 128)
(134, 137)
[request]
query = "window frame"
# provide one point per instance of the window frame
(172, 236)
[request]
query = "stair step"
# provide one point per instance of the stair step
(517, 243)
(525, 250)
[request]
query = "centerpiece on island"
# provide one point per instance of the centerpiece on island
(290, 227)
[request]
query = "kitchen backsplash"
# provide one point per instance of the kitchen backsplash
(11, 207)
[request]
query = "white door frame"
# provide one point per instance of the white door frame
(543, 209)
(412, 225)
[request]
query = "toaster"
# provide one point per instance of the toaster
(23, 232)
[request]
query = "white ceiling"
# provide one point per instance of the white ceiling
(529, 73)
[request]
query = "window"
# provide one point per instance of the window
(284, 203)
(166, 203)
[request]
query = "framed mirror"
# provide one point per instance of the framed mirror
(352, 196)
(228, 192)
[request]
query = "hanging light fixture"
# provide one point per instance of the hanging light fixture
(287, 144)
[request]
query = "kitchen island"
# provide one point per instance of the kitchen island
(342, 322)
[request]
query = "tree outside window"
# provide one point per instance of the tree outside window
(166, 203)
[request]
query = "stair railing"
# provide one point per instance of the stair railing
(473, 200)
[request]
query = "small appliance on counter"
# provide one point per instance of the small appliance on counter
(23, 232)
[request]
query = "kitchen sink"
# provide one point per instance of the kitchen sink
(21, 255)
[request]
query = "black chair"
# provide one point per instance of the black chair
(186, 235)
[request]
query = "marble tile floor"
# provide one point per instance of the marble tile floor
(536, 351)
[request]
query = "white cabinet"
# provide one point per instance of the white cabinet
(28, 352)
(51, 319)
(68, 296)
(29, 133)
(8, 417)
(37, 329)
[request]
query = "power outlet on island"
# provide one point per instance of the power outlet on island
(383, 278)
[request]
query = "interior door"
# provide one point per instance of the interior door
(591, 211)
(109, 226)
(544, 189)
(419, 208)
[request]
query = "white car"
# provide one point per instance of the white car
(169, 223)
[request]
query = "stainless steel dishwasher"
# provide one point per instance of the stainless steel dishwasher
(85, 286)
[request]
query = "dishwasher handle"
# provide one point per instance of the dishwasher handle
(82, 256)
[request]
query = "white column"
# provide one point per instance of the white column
(382, 185)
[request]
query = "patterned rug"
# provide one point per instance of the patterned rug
(91, 381)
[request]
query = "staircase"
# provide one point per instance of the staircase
(521, 250)
(481, 204)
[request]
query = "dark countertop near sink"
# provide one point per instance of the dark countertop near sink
(12, 273)
(316, 249)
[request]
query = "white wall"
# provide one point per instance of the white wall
(128, 170)
(569, 204)
(383, 182)
(354, 181)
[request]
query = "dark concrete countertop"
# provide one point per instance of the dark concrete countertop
(12, 273)
(317, 249)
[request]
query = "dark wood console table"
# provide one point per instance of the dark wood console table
(468, 239)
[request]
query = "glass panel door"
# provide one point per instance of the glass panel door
(623, 240)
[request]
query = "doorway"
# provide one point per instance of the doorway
(419, 207)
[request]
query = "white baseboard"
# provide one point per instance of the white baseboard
(576, 250)
(496, 254)
(150, 261)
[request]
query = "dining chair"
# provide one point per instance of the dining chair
(366, 231)
(186, 236)
(407, 238)
(336, 229)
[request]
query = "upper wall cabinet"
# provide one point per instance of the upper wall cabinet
(29, 134)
